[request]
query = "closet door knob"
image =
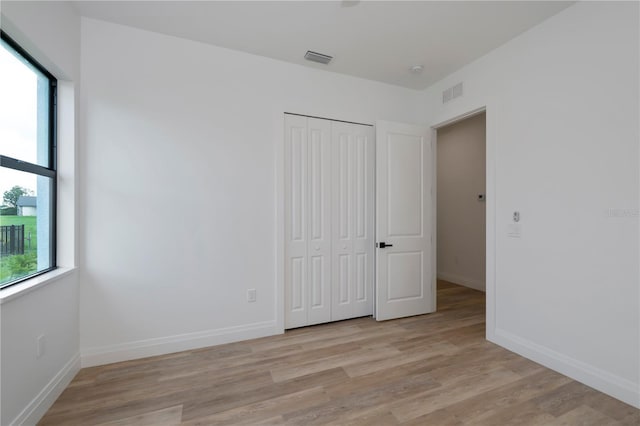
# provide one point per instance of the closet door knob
(383, 245)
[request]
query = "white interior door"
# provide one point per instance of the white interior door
(353, 220)
(405, 274)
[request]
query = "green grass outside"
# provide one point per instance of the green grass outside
(12, 267)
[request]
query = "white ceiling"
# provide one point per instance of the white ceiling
(374, 40)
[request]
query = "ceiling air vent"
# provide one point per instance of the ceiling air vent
(317, 57)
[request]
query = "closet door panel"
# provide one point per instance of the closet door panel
(329, 220)
(319, 246)
(343, 174)
(364, 208)
(353, 173)
(296, 223)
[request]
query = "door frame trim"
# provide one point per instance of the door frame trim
(279, 314)
(490, 209)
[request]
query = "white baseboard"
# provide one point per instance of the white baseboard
(39, 405)
(605, 382)
(93, 356)
(457, 279)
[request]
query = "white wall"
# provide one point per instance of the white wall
(192, 133)
(562, 143)
(461, 216)
(51, 33)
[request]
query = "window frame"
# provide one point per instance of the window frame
(51, 170)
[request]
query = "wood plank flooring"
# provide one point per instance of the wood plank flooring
(428, 370)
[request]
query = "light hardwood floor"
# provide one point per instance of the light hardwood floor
(429, 370)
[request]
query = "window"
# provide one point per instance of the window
(27, 165)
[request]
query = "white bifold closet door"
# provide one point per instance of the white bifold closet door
(329, 220)
(353, 244)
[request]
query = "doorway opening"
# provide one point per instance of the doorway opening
(461, 212)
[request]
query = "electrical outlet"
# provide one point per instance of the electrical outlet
(40, 346)
(251, 295)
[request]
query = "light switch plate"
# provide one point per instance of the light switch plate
(514, 230)
(251, 295)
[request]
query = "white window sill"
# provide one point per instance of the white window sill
(31, 284)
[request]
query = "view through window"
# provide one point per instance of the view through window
(27, 165)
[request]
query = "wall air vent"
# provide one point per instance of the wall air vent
(317, 57)
(452, 93)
